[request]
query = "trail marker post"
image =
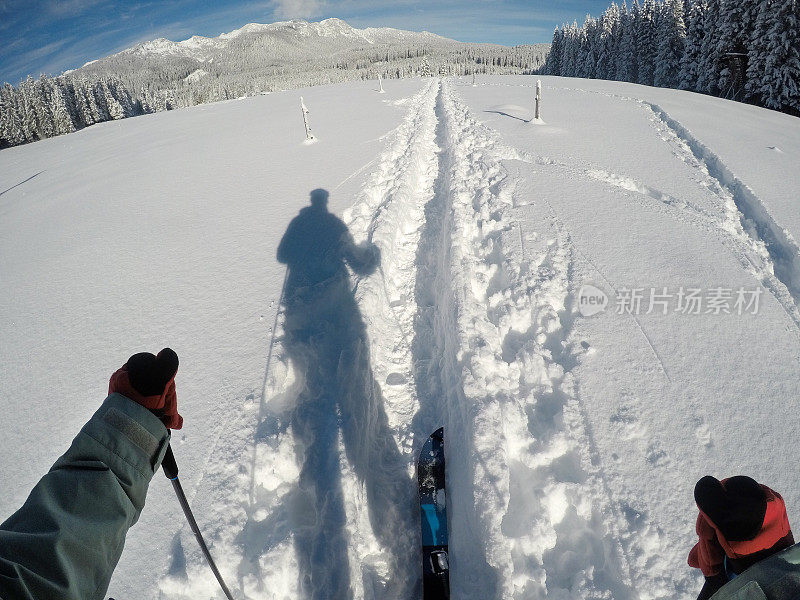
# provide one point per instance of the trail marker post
(538, 97)
(309, 135)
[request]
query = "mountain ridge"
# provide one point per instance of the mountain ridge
(196, 45)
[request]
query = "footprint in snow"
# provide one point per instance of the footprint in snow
(635, 518)
(395, 379)
(626, 416)
(703, 433)
(656, 456)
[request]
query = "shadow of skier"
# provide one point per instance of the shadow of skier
(325, 339)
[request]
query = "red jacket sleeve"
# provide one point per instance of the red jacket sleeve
(707, 555)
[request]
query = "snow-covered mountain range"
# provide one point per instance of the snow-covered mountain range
(296, 37)
(268, 57)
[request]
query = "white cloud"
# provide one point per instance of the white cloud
(298, 9)
(72, 8)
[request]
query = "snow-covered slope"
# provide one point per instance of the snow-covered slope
(573, 441)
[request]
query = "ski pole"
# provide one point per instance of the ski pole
(171, 471)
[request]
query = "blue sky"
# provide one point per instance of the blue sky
(49, 36)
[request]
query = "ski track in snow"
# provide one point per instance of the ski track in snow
(490, 358)
(742, 223)
(468, 323)
(502, 383)
(747, 218)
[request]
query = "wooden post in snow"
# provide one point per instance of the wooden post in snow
(380, 84)
(538, 97)
(309, 135)
(473, 79)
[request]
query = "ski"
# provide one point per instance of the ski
(433, 513)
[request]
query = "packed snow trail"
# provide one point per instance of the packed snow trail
(531, 494)
(292, 545)
(483, 358)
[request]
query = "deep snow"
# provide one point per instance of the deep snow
(573, 441)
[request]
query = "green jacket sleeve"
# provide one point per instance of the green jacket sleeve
(774, 578)
(68, 536)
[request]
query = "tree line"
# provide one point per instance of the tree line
(41, 108)
(746, 50)
(263, 65)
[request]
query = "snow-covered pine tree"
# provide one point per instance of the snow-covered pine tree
(571, 51)
(123, 96)
(780, 87)
(608, 28)
(43, 107)
(554, 57)
(634, 25)
(62, 119)
(67, 87)
(11, 132)
(646, 43)
(6, 108)
(733, 25)
(710, 64)
(626, 54)
(758, 15)
(583, 47)
(116, 109)
(27, 112)
(671, 44)
(690, 61)
(589, 48)
(98, 104)
(425, 69)
(83, 101)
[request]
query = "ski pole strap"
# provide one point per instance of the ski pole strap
(170, 465)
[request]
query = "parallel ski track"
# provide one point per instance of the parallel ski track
(467, 332)
(389, 213)
(742, 223)
(255, 547)
(463, 334)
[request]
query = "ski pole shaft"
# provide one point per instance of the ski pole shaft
(170, 467)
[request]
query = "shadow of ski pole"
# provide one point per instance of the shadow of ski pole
(21, 182)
